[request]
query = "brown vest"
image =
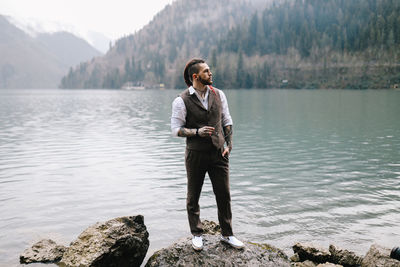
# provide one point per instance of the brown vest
(197, 116)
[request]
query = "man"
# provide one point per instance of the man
(201, 115)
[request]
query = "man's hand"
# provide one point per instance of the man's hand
(228, 140)
(226, 152)
(206, 131)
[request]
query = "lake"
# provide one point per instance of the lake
(319, 166)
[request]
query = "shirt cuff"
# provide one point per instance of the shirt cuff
(227, 123)
(175, 132)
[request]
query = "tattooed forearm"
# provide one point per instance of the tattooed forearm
(185, 132)
(228, 133)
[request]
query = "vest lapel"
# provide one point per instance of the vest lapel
(196, 100)
(211, 97)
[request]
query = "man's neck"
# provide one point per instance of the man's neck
(201, 89)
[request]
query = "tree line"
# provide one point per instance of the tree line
(298, 43)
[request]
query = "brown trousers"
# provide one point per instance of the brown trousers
(197, 164)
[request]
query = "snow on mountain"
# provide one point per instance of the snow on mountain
(35, 27)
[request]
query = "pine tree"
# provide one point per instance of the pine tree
(240, 71)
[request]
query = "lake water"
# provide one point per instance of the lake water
(320, 166)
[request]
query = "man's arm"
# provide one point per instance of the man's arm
(228, 134)
(178, 121)
(227, 124)
(178, 117)
(185, 132)
(202, 132)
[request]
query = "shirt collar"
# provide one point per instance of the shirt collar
(192, 90)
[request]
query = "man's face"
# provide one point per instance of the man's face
(205, 76)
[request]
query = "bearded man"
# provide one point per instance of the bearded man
(201, 115)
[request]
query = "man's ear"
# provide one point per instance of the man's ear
(194, 76)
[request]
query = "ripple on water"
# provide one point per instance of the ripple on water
(298, 173)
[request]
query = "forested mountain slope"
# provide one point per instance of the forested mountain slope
(315, 44)
(294, 43)
(156, 53)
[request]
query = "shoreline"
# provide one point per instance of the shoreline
(124, 241)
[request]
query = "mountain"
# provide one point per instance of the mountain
(24, 63)
(156, 53)
(37, 26)
(316, 44)
(99, 41)
(257, 44)
(68, 48)
(38, 62)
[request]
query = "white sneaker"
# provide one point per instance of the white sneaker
(233, 241)
(197, 243)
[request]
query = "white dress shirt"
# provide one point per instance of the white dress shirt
(178, 117)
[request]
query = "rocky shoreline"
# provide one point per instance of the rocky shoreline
(124, 241)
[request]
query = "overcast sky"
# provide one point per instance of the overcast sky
(113, 18)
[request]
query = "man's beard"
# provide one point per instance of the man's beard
(205, 82)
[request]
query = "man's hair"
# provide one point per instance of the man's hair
(191, 67)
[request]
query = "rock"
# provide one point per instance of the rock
(312, 253)
(306, 263)
(378, 256)
(309, 263)
(328, 264)
(46, 251)
(216, 253)
(344, 257)
(118, 242)
(295, 258)
(211, 227)
(395, 253)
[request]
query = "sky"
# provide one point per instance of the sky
(113, 18)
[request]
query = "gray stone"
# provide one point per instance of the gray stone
(295, 258)
(344, 257)
(211, 228)
(328, 264)
(306, 263)
(312, 253)
(378, 256)
(118, 242)
(46, 251)
(216, 253)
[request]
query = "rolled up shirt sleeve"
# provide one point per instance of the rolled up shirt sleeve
(178, 117)
(226, 116)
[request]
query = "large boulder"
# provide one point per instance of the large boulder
(118, 242)
(312, 253)
(46, 251)
(312, 264)
(328, 264)
(308, 253)
(344, 257)
(378, 256)
(306, 263)
(216, 253)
